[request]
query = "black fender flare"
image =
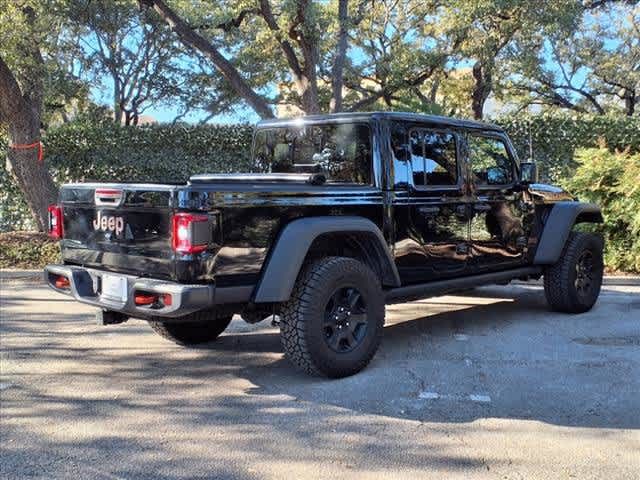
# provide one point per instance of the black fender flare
(290, 249)
(562, 217)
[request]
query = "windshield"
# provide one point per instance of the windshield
(341, 152)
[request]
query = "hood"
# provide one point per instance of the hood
(545, 193)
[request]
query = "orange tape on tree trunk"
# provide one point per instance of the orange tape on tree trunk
(28, 146)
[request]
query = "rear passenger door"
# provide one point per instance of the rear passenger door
(435, 218)
(499, 226)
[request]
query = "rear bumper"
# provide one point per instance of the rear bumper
(85, 285)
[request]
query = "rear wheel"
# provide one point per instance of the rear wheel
(572, 285)
(192, 329)
(332, 324)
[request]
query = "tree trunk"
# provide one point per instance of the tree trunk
(630, 100)
(335, 105)
(30, 174)
(481, 88)
(308, 90)
(303, 34)
(117, 100)
(303, 72)
(22, 112)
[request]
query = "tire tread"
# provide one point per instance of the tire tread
(559, 291)
(301, 303)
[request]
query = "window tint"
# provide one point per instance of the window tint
(342, 152)
(433, 158)
(490, 161)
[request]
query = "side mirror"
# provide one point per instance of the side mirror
(528, 172)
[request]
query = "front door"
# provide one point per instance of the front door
(434, 216)
(501, 219)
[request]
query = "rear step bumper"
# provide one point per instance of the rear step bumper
(85, 285)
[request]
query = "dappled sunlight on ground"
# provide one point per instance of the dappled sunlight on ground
(485, 384)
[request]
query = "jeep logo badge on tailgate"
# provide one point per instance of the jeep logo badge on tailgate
(108, 223)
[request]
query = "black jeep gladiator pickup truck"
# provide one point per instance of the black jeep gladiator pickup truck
(342, 214)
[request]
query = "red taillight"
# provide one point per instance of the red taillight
(108, 196)
(166, 299)
(156, 299)
(190, 232)
(145, 298)
(55, 221)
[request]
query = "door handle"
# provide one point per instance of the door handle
(482, 207)
(429, 210)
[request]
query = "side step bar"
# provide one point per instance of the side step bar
(434, 289)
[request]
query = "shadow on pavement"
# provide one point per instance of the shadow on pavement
(525, 363)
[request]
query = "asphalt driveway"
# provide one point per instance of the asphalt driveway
(489, 384)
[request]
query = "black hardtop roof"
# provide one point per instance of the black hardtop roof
(367, 116)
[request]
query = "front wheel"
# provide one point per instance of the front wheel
(332, 324)
(192, 329)
(572, 284)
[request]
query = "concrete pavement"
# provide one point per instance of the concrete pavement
(485, 385)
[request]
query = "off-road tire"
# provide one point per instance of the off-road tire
(193, 329)
(302, 317)
(560, 279)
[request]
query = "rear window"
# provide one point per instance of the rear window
(342, 152)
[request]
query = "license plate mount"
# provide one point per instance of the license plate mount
(114, 287)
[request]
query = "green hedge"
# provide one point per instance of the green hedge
(555, 138)
(108, 152)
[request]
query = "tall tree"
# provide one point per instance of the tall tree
(335, 105)
(489, 27)
(595, 69)
(400, 48)
(272, 52)
(124, 51)
(24, 27)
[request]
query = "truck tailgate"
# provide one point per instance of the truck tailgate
(119, 227)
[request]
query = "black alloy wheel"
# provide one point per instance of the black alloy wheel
(572, 284)
(345, 320)
(584, 273)
(332, 324)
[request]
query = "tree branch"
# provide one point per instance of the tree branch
(595, 4)
(237, 21)
(194, 40)
(285, 45)
(366, 101)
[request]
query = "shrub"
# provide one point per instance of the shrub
(612, 180)
(27, 250)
